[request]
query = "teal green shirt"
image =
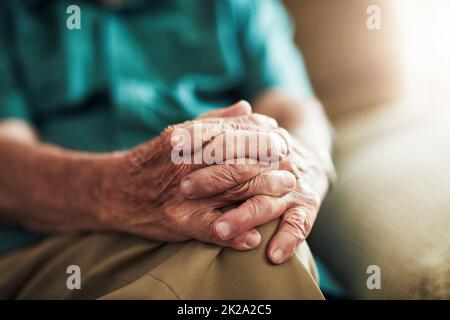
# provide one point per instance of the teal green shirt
(134, 69)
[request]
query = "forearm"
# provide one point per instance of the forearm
(302, 117)
(43, 186)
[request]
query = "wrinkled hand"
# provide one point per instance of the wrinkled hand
(140, 193)
(303, 203)
(297, 209)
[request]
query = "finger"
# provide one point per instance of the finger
(254, 121)
(237, 145)
(236, 182)
(246, 241)
(275, 183)
(195, 134)
(294, 227)
(200, 226)
(240, 108)
(266, 146)
(216, 179)
(253, 212)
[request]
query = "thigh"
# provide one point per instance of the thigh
(118, 266)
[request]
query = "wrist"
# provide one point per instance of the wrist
(108, 172)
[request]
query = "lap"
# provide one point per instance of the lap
(118, 266)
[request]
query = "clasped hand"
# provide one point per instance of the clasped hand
(145, 193)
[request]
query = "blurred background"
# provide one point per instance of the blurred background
(387, 93)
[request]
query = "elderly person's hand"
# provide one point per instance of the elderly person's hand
(297, 209)
(140, 193)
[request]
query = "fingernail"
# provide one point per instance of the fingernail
(223, 229)
(187, 187)
(252, 240)
(278, 256)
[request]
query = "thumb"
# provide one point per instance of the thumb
(203, 227)
(240, 108)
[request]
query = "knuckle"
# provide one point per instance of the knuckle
(297, 224)
(232, 174)
(308, 199)
(239, 173)
(173, 215)
(208, 182)
(246, 189)
(203, 181)
(260, 204)
(306, 218)
(293, 220)
(236, 170)
(297, 234)
(216, 178)
(312, 199)
(252, 208)
(205, 226)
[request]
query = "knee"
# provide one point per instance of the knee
(250, 275)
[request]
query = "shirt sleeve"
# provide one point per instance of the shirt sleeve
(12, 103)
(270, 55)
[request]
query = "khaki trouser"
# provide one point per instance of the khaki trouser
(117, 266)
